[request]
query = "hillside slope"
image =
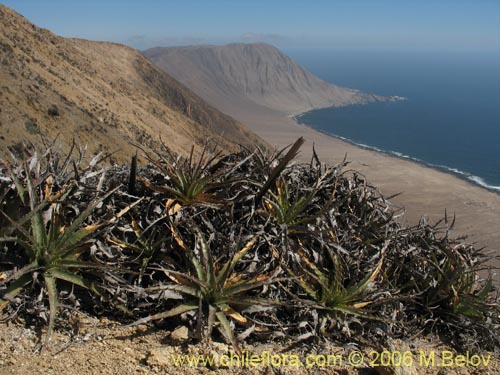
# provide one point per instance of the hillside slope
(103, 94)
(244, 74)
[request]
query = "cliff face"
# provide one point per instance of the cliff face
(103, 94)
(255, 73)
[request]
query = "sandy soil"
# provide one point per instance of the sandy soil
(424, 191)
(101, 347)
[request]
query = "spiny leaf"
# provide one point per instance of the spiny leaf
(291, 154)
(132, 175)
(228, 331)
(14, 289)
(231, 263)
(166, 314)
(50, 283)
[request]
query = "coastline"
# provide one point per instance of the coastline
(474, 180)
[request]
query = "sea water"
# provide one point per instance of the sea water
(450, 120)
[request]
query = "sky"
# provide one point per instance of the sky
(358, 24)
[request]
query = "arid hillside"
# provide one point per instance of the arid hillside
(102, 94)
(240, 76)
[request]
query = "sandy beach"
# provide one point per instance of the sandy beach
(423, 191)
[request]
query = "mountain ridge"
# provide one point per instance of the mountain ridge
(105, 94)
(254, 73)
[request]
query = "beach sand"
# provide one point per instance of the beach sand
(424, 191)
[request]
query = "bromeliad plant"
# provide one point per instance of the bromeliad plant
(440, 280)
(349, 264)
(212, 288)
(295, 203)
(146, 245)
(286, 206)
(189, 181)
(52, 247)
(330, 292)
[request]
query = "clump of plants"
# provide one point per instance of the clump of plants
(244, 245)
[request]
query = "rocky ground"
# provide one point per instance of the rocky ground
(103, 347)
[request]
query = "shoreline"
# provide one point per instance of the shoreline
(474, 180)
(424, 191)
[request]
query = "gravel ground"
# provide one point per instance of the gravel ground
(103, 347)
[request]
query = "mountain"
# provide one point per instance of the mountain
(236, 76)
(103, 94)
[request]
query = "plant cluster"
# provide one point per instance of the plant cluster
(247, 246)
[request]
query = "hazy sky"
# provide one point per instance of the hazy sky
(394, 24)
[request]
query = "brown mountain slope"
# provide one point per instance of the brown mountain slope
(104, 94)
(243, 75)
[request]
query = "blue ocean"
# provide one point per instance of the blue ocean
(450, 120)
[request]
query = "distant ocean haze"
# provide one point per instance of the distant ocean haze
(450, 121)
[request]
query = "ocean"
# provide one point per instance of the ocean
(450, 120)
